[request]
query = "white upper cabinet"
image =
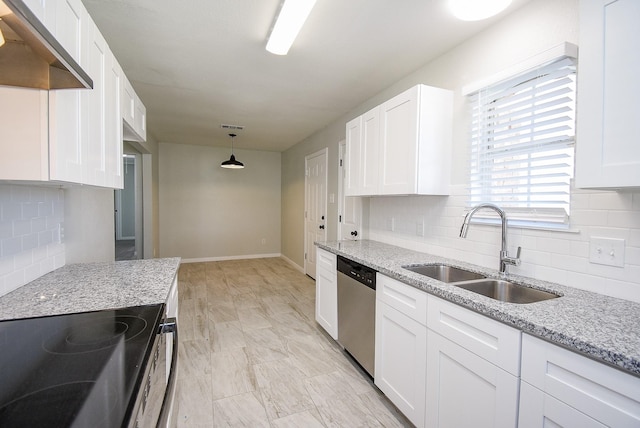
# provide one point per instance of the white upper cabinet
(607, 148)
(67, 148)
(68, 135)
(134, 114)
(403, 146)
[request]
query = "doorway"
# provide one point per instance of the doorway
(315, 207)
(128, 210)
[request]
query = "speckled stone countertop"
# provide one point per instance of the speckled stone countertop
(601, 327)
(88, 287)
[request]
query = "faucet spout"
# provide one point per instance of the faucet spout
(505, 259)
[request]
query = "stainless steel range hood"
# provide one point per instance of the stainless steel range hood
(31, 57)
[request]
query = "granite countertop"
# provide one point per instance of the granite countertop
(88, 287)
(598, 326)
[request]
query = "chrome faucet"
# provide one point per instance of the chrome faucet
(505, 259)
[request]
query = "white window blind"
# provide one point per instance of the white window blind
(522, 144)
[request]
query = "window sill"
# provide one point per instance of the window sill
(515, 224)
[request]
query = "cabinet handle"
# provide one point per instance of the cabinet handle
(321, 226)
(354, 233)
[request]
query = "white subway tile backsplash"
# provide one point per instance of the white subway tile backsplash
(557, 256)
(623, 218)
(30, 218)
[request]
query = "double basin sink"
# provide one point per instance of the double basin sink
(498, 289)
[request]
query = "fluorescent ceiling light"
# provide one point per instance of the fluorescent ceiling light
(290, 20)
(475, 10)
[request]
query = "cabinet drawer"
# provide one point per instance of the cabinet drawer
(538, 409)
(608, 395)
(407, 299)
(325, 259)
(487, 338)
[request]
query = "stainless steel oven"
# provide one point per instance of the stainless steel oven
(98, 369)
(154, 398)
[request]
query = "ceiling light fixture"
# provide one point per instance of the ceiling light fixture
(291, 18)
(232, 163)
(476, 10)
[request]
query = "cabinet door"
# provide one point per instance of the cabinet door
(94, 123)
(113, 123)
(464, 390)
(607, 149)
(67, 148)
(607, 395)
(398, 157)
(24, 125)
(71, 22)
(400, 361)
(352, 185)
(538, 409)
(141, 119)
(369, 152)
(327, 292)
(44, 10)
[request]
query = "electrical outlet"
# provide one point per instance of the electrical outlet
(264, 241)
(606, 251)
(420, 228)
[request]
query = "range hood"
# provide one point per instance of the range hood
(31, 57)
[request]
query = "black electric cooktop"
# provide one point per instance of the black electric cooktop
(74, 370)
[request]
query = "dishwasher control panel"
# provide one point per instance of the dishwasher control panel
(361, 273)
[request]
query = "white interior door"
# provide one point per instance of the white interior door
(315, 209)
(349, 207)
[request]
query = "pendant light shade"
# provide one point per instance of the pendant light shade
(232, 163)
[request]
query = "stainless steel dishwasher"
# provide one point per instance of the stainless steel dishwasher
(356, 311)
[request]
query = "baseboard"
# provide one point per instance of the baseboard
(220, 259)
(292, 263)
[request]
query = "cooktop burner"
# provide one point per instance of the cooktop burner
(95, 335)
(74, 370)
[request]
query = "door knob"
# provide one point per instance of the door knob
(321, 226)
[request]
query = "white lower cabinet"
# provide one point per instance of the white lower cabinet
(401, 346)
(472, 369)
(563, 388)
(327, 292)
(464, 390)
(538, 409)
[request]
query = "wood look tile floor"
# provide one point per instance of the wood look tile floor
(252, 355)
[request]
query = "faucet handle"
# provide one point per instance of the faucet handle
(513, 261)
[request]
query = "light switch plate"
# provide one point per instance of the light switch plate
(606, 251)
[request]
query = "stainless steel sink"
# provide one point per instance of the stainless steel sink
(497, 289)
(444, 273)
(505, 291)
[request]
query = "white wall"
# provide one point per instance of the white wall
(89, 232)
(30, 221)
(555, 256)
(208, 212)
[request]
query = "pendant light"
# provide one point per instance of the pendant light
(232, 163)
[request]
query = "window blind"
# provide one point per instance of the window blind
(522, 143)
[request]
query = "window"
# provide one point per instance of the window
(522, 145)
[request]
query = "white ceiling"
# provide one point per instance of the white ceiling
(197, 64)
